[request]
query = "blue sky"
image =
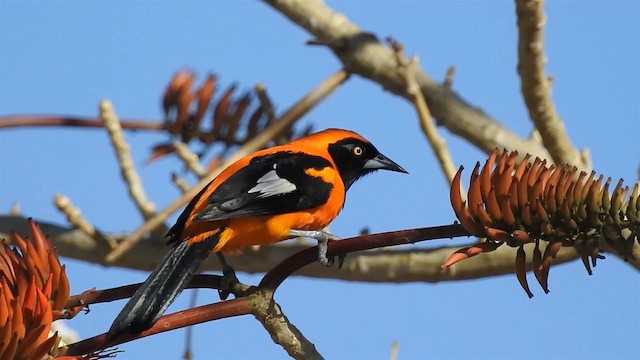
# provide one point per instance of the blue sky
(63, 57)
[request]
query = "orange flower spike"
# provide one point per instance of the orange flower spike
(9, 351)
(6, 266)
(522, 167)
(521, 236)
(521, 271)
(40, 243)
(605, 199)
(30, 341)
(577, 189)
(6, 288)
(501, 161)
(56, 269)
(20, 242)
(503, 181)
(506, 210)
(513, 197)
(551, 200)
(469, 251)
(6, 332)
(474, 195)
(234, 119)
(594, 199)
(62, 294)
(493, 207)
(485, 176)
(616, 199)
(170, 96)
(526, 216)
(220, 114)
(565, 212)
(566, 184)
(497, 234)
(483, 217)
(40, 352)
(254, 122)
(538, 269)
(535, 199)
(4, 311)
(568, 199)
(587, 186)
(29, 302)
(532, 175)
(47, 316)
(551, 185)
(184, 98)
(523, 196)
(204, 95)
(459, 206)
(40, 268)
(17, 320)
(47, 289)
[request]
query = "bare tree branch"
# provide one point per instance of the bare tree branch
(362, 53)
(190, 160)
(11, 121)
(75, 219)
(123, 155)
(536, 88)
(406, 67)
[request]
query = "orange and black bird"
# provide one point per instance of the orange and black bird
(275, 194)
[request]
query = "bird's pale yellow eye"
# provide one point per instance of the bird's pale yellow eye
(357, 151)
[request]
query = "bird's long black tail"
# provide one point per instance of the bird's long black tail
(161, 287)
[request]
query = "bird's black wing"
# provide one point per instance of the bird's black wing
(269, 185)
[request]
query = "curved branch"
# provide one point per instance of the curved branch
(12, 121)
(535, 86)
(361, 53)
(197, 315)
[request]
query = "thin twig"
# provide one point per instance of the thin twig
(190, 160)
(180, 183)
(75, 219)
(535, 86)
(407, 69)
(395, 349)
(93, 296)
(284, 122)
(11, 121)
(198, 315)
(123, 154)
(448, 78)
(265, 101)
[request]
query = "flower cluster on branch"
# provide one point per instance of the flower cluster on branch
(531, 202)
(232, 121)
(33, 291)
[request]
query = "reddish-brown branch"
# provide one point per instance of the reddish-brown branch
(11, 121)
(220, 310)
(93, 296)
(283, 270)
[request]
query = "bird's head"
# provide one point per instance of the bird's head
(354, 155)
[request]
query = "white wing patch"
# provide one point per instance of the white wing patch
(270, 184)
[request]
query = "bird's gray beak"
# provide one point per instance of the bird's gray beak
(381, 162)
